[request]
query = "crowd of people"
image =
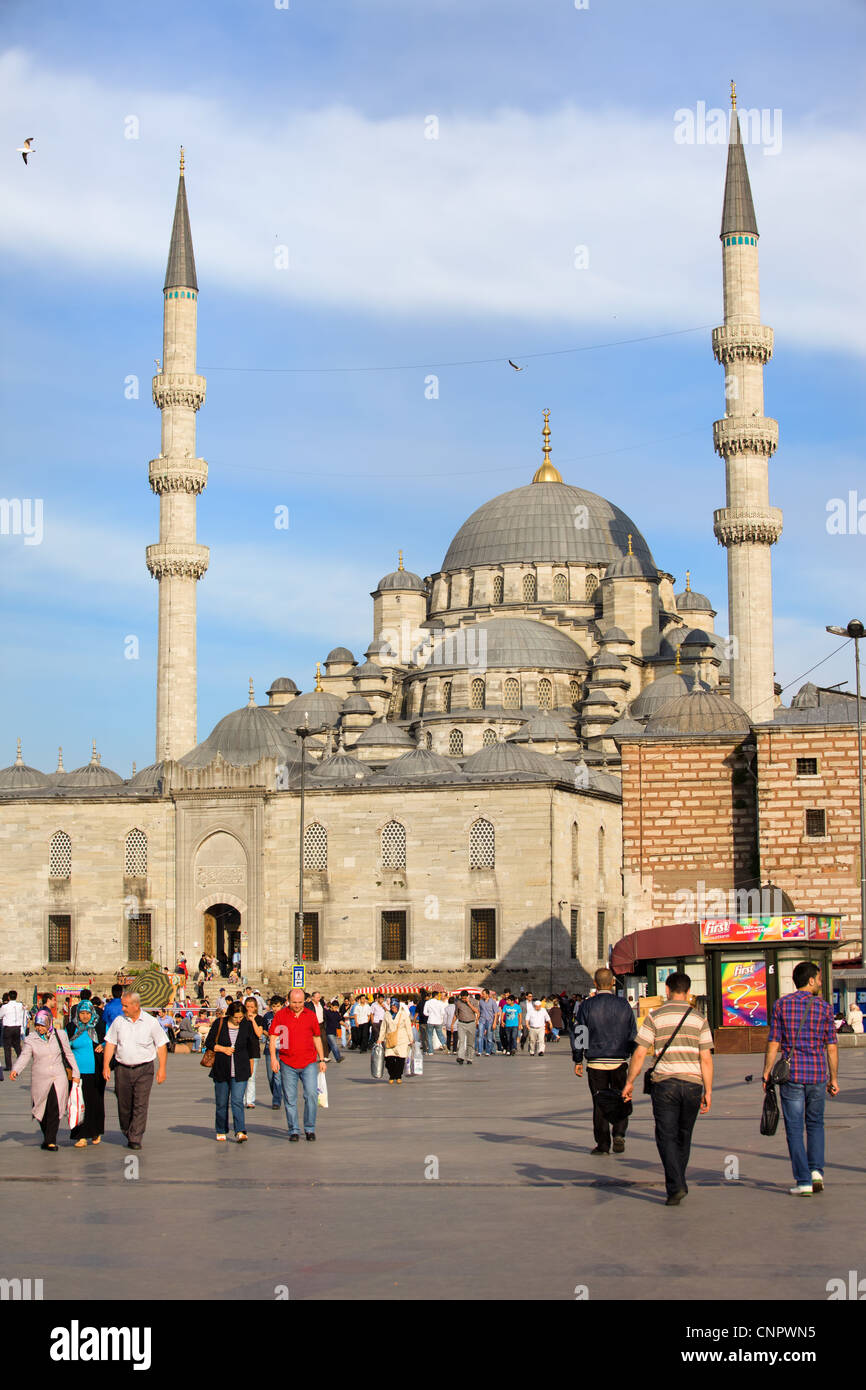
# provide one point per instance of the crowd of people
(86, 1044)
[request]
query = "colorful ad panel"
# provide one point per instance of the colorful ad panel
(737, 931)
(744, 994)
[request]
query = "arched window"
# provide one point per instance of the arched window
(135, 854)
(511, 697)
(476, 694)
(560, 588)
(422, 702)
(455, 743)
(482, 845)
(591, 586)
(498, 588)
(545, 693)
(315, 847)
(428, 740)
(529, 588)
(448, 592)
(394, 845)
(574, 692)
(575, 850)
(470, 595)
(446, 697)
(60, 856)
(601, 851)
(396, 702)
(488, 738)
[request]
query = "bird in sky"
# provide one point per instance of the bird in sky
(26, 148)
(515, 366)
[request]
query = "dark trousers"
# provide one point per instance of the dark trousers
(395, 1067)
(132, 1086)
(11, 1040)
(601, 1081)
(93, 1095)
(356, 1036)
(676, 1105)
(50, 1122)
(364, 1036)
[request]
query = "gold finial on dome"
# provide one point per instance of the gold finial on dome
(181, 159)
(399, 559)
(252, 699)
(546, 473)
(319, 685)
(630, 551)
(733, 94)
(688, 581)
(677, 667)
(19, 760)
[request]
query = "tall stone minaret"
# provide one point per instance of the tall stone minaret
(745, 439)
(177, 477)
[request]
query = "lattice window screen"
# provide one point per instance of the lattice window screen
(482, 845)
(512, 693)
(591, 586)
(455, 743)
(574, 692)
(545, 693)
(498, 588)
(394, 845)
(135, 854)
(560, 588)
(446, 697)
(60, 856)
(529, 588)
(488, 738)
(476, 695)
(315, 847)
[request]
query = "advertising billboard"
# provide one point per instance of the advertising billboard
(744, 994)
(737, 931)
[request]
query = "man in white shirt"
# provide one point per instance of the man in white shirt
(12, 1023)
(222, 1002)
(362, 1021)
(537, 1019)
(377, 1013)
(434, 1013)
(137, 1039)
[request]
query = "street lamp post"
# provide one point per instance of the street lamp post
(303, 732)
(856, 630)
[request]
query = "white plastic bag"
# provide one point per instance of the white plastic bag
(75, 1105)
(322, 1084)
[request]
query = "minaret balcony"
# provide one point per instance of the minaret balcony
(742, 342)
(167, 474)
(177, 560)
(745, 434)
(179, 388)
(747, 525)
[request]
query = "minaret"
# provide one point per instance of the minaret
(177, 477)
(745, 439)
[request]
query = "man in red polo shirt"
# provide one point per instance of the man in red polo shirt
(296, 1031)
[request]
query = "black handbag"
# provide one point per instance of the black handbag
(648, 1075)
(781, 1071)
(770, 1112)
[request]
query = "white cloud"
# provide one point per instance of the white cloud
(482, 221)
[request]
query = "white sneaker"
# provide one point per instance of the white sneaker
(817, 1181)
(801, 1190)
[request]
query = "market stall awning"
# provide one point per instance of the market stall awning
(431, 987)
(656, 943)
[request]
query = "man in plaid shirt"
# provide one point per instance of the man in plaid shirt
(802, 1026)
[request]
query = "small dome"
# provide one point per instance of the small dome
(421, 762)
(149, 778)
(513, 759)
(322, 706)
(245, 736)
(384, 735)
(340, 767)
(93, 775)
(691, 601)
(616, 634)
(661, 691)
(340, 656)
(699, 712)
(19, 777)
(356, 704)
(402, 579)
(544, 727)
(597, 697)
(369, 671)
(606, 661)
(625, 727)
(696, 637)
(630, 567)
(283, 684)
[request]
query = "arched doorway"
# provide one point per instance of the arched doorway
(222, 934)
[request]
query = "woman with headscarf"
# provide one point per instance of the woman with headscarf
(87, 1043)
(395, 1031)
(50, 1052)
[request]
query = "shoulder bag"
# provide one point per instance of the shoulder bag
(648, 1075)
(209, 1057)
(781, 1071)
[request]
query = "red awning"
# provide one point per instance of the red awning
(657, 943)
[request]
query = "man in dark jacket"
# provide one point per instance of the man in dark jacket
(604, 1029)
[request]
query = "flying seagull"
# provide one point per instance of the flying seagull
(25, 149)
(515, 366)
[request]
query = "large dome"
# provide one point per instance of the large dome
(548, 522)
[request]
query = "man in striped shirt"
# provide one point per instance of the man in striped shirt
(682, 1084)
(802, 1026)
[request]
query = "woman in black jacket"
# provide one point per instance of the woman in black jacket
(232, 1038)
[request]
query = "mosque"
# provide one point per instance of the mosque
(447, 804)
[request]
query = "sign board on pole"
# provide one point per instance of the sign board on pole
(298, 977)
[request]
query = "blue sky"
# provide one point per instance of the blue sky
(305, 128)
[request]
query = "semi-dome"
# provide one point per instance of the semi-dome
(696, 637)
(19, 777)
(421, 762)
(340, 656)
(699, 712)
(322, 706)
(340, 768)
(513, 759)
(92, 775)
(616, 634)
(369, 671)
(511, 643)
(384, 735)
(544, 727)
(149, 779)
(631, 566)
(540, 523)
(243, 737)
(356, 704)
(663, 690)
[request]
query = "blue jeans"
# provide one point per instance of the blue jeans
(274, 1080)
(801, 1102)
(308, 1077)
(484, 1037)
(511, 1038)
(335, 1047)
(438, 1029)
(223, 1092)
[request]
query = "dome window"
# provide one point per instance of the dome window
(560, 588)
(476, 695)
(498, 588)
(591, 587)
(488, 738)
(545, 693)
(574, 692)
(455, 743)
(512, 693)
(446, 697)
(470, 595)
(529, 588)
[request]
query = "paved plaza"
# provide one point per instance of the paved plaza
(355, 1216)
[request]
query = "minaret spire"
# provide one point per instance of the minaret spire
(546, 473)
(746, 439)
(177, 477)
